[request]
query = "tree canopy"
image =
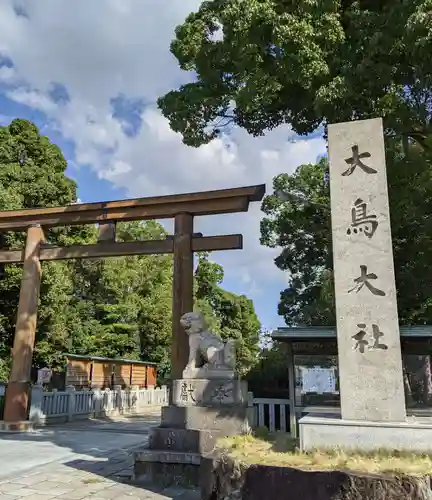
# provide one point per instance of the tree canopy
(118, 307)
(262, 63)
(32, 174)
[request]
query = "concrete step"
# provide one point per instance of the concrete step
(167, 468)
(184, 440)
(227, 420)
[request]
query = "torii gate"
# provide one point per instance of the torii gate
(182, 207)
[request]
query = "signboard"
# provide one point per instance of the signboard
(44, 376)
(318, 380)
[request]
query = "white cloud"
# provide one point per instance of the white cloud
(104, 48)
(8, 75)
(34, 99)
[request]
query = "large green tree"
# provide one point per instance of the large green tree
(32, 174)
(115, 307)
(297, 219)
(262, 63)
(130, 299)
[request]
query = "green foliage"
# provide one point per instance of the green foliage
(262, 63)
(231, 316)
(297, 219)
(269, 375)
(122, 306)
(32, 174)
(307, 63)
(114, 308)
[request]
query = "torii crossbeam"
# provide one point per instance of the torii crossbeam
(182, 207)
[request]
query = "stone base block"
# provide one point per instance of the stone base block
(24, 426)
(228, 420)
(326, 432)
(185, 440)
(209, 392)
(167, 468)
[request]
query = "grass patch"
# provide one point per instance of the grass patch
(280, 450)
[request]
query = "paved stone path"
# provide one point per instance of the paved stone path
(87, 460)
(103, 478)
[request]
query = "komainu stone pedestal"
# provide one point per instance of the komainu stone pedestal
(202, 411)
(209, 392)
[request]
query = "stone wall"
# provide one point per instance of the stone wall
(225, 479)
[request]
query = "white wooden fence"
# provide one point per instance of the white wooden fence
(69, 405)
(271, 413)
(65, 406)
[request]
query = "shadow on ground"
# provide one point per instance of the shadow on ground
(119, 468)
(97, 453)
(73, 441)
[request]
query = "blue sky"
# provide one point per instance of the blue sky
(89, 73)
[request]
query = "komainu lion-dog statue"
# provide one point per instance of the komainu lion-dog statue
(207, 351)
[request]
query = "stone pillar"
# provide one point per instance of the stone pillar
(98, 402)
(17, 393)
(370, 362)
(182, 291)
(35, 412)
(118, 398)
(70, 389)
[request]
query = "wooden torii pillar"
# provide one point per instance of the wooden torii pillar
(25, 329)
(182, 207)
(182, 290)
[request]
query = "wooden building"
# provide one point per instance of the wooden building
(93, 371)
